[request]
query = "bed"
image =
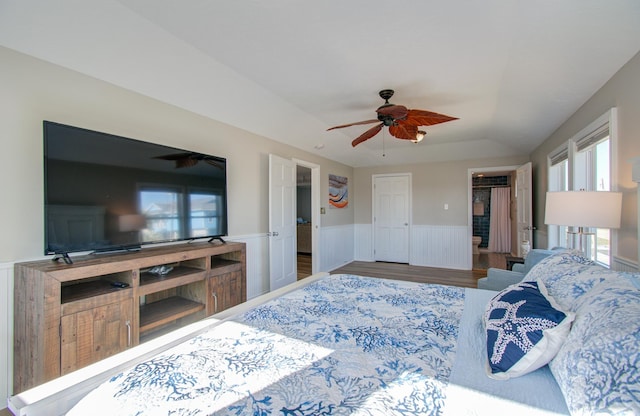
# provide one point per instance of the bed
(329, 344)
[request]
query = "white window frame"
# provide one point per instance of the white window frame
(570, 150)
(558, 180)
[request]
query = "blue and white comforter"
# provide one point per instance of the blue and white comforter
(342, 345)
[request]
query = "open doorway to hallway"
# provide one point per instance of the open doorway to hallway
(304, 221)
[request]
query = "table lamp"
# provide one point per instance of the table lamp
(583, 209)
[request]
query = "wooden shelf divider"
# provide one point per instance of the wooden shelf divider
(162, 312)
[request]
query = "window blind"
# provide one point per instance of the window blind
(560, 155)
(592, 138)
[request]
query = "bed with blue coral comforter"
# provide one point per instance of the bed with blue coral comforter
(340, 345)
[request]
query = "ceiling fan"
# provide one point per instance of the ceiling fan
(402, 122)
(188, 159)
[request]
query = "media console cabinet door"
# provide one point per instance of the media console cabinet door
(94, 334)
(224, 291)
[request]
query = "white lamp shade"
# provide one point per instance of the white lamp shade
(583, 209)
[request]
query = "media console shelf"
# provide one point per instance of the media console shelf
(67, 316)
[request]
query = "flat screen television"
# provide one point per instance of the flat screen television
(105, 193)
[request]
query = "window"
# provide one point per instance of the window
(592, 173)
(585, 162)
(206, 210)
(558, 181)
(162, 210)
(174, 213)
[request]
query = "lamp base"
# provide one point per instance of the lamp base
(581, 234)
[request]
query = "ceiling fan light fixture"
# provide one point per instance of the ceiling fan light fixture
(419, 136)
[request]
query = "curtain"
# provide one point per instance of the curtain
(500, 221)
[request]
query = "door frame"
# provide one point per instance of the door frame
(315, 212)
(526, 205)
(470, 173)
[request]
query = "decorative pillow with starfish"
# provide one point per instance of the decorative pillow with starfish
(525, 329)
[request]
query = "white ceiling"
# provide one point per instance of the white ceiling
(512, 70)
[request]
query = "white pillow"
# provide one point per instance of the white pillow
(598, 367)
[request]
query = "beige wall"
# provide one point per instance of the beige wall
(433, 185)
(623, 92)
(33, 91)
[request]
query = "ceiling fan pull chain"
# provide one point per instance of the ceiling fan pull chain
(383, 137)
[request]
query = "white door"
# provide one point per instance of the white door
(523, 206)
(391, 218)
(282, 222)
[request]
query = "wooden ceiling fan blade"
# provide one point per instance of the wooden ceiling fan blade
(354, 124)
(187, 162)
(398, 112)
(174, 156)
(426, 118)
(403, 131)
(367, 135)
(182, 160)
(214, 163)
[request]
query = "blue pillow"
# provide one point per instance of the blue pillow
(525, 329)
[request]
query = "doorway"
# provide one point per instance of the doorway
(303, 221)
(307, 218)
(485, 187)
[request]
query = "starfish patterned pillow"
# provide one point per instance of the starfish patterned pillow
(525, 329)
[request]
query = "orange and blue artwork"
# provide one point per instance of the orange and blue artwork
(338, 191)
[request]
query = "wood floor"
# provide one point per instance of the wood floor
(399, 271)
(304, 265)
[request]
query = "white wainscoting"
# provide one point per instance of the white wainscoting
(336, 246)
(336, 249)
(621, 264)
(364, 242)
(6, 331)
(257, 263)
(446, 246)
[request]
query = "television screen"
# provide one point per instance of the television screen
(106, 192)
